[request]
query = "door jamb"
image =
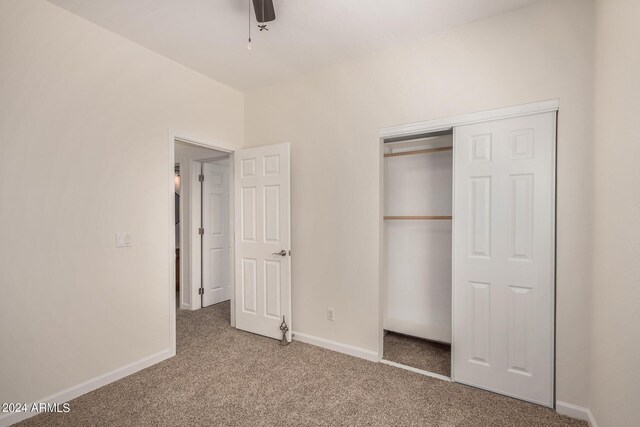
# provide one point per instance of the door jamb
(218, 145)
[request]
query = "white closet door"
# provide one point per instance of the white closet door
(215, 244)
(504, 201)
(262, 239)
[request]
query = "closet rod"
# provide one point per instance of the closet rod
(426, 150)
(417, 217)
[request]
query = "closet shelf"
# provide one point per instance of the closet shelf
(424, 151)
(415, 217)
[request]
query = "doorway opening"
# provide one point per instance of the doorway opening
(418, 188)
(203, 218)
(234, 222)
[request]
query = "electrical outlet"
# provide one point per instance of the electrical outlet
(331, 314)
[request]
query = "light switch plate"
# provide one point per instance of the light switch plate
(123, 240)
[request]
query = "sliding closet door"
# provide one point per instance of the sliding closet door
(504, 202)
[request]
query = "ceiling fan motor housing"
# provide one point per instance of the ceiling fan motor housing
(265, 11)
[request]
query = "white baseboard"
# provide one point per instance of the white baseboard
(362, 353)
(87, 386)
(575, 411)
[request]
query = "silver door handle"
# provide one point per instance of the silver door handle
(281, 253)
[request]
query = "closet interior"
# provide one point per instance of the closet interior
(417, 300)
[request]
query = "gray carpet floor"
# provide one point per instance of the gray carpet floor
(422, 354)
(225, 377)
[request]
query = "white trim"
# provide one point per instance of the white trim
(465, 119)
(575, 411)
(232, 237)
(214, 144)
(453, 256)
(554, 245)
(181, 227)
(362, 353)
(172, 246)
(87, 386)
(195, 258)
(185, 271)
(416, 370)
(382, 283)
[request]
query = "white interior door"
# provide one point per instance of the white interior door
(504, 256)
(216, 242)
(262, 239)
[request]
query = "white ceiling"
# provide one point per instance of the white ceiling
(210, 36)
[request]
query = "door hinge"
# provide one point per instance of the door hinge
(201, 178)
(200, 291)
(201, 231)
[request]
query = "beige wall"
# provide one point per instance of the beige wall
(615, 341)
(84, 116)
(84, 120)
(332, 117)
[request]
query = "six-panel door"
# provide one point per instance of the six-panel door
(262, 240)
(216, 243)
(503, 290)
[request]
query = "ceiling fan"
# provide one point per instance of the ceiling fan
(265, 12)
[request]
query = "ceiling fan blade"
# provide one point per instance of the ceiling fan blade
(267, 6)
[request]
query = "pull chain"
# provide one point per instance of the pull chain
(249, 43)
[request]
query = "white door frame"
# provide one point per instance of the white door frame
(218, 145)
(429, 126)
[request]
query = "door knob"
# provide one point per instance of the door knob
(281, 253)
